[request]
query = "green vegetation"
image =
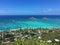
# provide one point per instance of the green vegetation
(32, 37)
(32, 42)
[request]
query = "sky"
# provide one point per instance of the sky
(29, 7)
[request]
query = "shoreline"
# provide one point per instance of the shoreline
(30, 29)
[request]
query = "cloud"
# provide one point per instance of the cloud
(50, 11)
(47, 10)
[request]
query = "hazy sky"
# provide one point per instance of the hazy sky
(29, 7)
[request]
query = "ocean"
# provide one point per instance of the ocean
(9, 22)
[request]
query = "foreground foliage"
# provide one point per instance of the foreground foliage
(30, 37)
(33, 42)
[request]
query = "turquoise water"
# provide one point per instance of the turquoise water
(15, 22)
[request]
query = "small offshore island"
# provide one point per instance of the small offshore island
(43, 31)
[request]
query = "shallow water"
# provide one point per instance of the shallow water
(19, 21)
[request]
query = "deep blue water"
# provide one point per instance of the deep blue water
(8, 22)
